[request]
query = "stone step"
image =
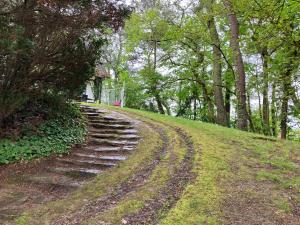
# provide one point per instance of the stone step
(115, 136)
(106, 142)
(111, 149)
(91, 114)
(114, 158)
(87, 163)
(109, 142)
(80, 170)
(112, 131)
(104, 149)
(86, 107)
(101, 157)
(110, 126)
(101, 120)
(88, 110)
(93, 111)
(111, 118)
(129, 148)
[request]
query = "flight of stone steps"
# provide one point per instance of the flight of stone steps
(111, 138)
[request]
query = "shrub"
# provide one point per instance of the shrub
(55, 136)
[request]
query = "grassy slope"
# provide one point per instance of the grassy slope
(227, 159)
(233, 168)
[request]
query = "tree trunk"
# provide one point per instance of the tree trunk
(195, 109)
(100, 90)
(242, 123)
(195, 96)
(259, 104)
(252, 127)
(296, 101)
(284, 113)
(286, 85)
(221, 118)
(228, 94)
(207, 102)
(266, 110)
(228, 103)
(273, 110)
(167, 107)
(159, 104)
(157, 97)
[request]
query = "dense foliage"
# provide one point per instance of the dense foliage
(233, 63)
(50, 46)
(64, 128)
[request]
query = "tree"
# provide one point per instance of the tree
(217, 69)
(48, 48)
(146, 32)
(242, 116)
(200, 60)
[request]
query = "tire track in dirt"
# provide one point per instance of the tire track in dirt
(110, 200)
(171, 193)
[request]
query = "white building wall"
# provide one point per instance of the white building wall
(89, 92)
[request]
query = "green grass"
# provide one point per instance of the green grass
(226, 157)
(229, 165)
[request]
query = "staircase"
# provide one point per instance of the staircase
(111, 138)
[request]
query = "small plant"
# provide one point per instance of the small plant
(55, 136)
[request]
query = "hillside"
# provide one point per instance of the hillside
(186, 172)
(228, 71)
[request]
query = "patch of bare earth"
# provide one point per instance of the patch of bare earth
(249, 201)
(18, 193)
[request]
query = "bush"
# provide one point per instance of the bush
(50, 51)
(55, 136)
